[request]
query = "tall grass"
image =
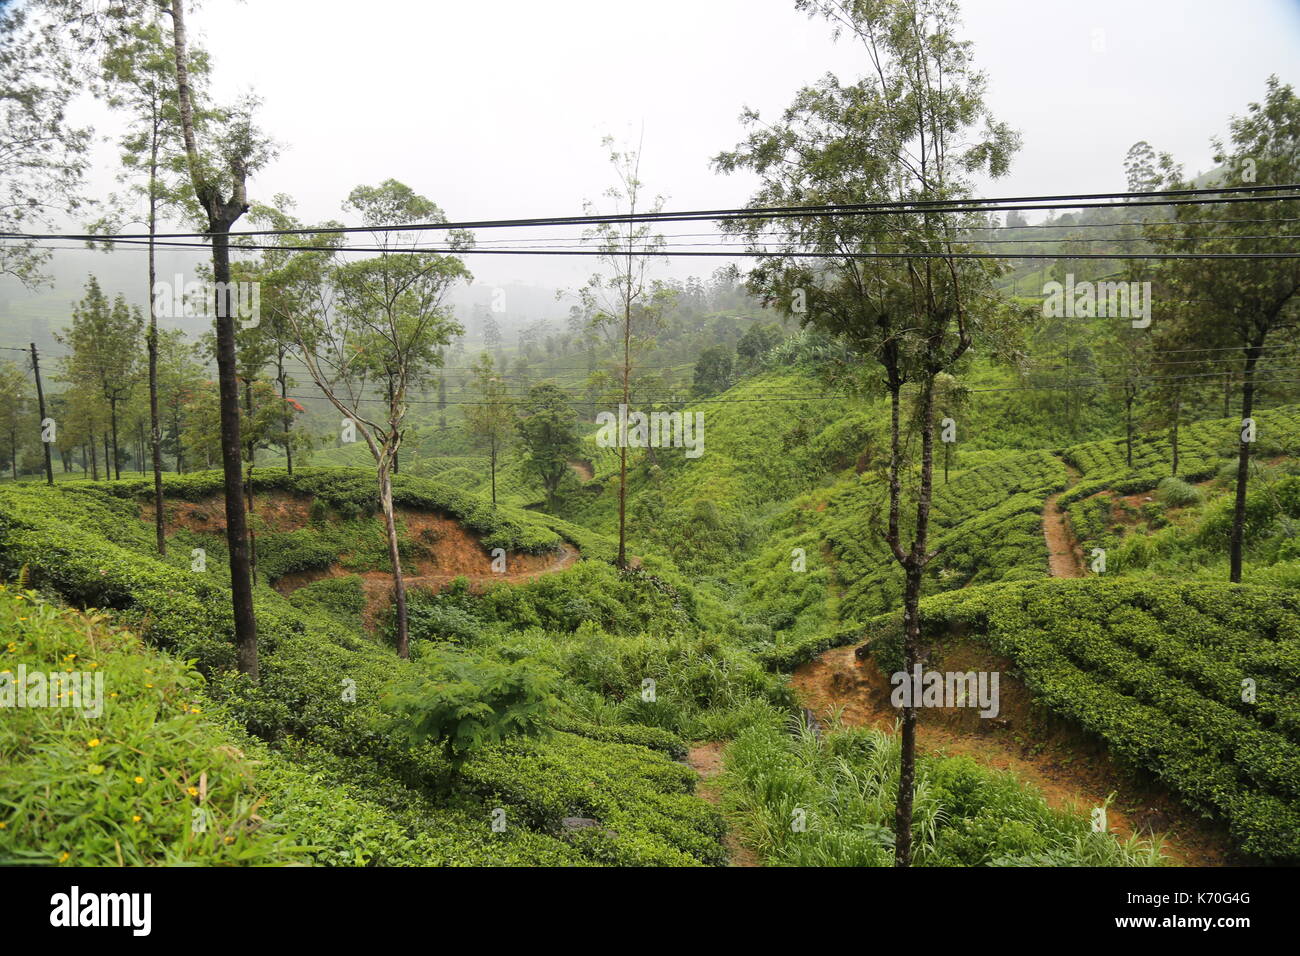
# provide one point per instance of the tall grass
(800, 799)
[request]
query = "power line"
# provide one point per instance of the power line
(1171, 197)
(745, 253)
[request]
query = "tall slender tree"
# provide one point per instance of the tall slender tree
(220, 187)
(491, 418)
(1244, 305)
(911, 130)
(138, 75)
(618, 295)
(105, 349)
(378, 328)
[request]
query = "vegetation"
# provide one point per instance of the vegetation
(384, 575)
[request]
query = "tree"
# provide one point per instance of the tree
(220, 186)
(491, 419)
(754, 344)
(911, 131)
(15, 397)
(43, 157)
(1127, 363)
(137, 70)
(619, 295)
(378, 327)
(179, 378)
(712, 371)
(105, 348)
(1140, 171)
(548, 432)
(1244, 304)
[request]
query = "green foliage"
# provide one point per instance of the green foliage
(805, 801)
(1177, 493)
(1165, 674)
(343, 598)
(126, 785)
(466, 703)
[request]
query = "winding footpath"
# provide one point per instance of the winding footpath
(1070, 771)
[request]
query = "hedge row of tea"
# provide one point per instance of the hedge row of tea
(1203, 446)
(1199, 684)
(353, 492)
(987, 526)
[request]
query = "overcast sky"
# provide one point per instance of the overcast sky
(497, 109)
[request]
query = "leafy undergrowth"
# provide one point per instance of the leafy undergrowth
(335, 778)
(810, 800)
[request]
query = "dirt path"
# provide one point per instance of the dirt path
(378, 585)
(1064, 559)
(1065, 768)
(706, 760)
(583, 470)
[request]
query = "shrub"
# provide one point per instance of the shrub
(1177, 493)
(465, 703)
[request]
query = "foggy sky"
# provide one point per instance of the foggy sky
(497, 109)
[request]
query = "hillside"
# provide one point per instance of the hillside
(614, 777)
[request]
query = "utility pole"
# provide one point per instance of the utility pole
(40, 402)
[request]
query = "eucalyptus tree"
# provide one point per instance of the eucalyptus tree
(491, 417)
(1244, 306)
(618, 297)
(138, 76)
(218, 178)
(913, 129)
(104, 340)
(370, 330)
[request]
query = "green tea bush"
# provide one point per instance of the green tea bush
(1195, 683)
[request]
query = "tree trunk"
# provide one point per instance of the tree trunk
(1173, 434)
(241, 583)
(494, 471)
(442, 400)
(622, 437)
(394, 554)
(248, 487)
(1243, 468)
(221, 215)
(284, 400)
(155, 430)
(108, 475)
(1128, 429)
(94, 460)
(914, 568)
(117, 454)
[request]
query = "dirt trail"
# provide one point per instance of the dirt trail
(1065, 767)
(706, 760)
(1063, 556)
(446, 550)
(583, 470)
